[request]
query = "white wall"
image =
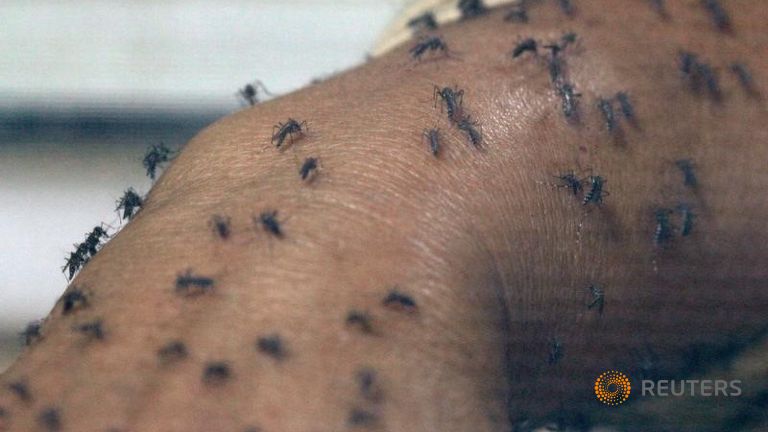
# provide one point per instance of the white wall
(178, 50)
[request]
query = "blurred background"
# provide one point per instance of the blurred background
(86, 86)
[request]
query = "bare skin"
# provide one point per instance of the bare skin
(497, 258)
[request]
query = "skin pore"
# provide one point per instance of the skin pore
(493, 323)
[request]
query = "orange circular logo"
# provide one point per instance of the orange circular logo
(612, 388)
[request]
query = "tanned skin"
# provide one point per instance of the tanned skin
(493, 260)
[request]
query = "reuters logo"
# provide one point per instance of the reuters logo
(612, 388)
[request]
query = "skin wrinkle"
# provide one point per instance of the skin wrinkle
(133, 324)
